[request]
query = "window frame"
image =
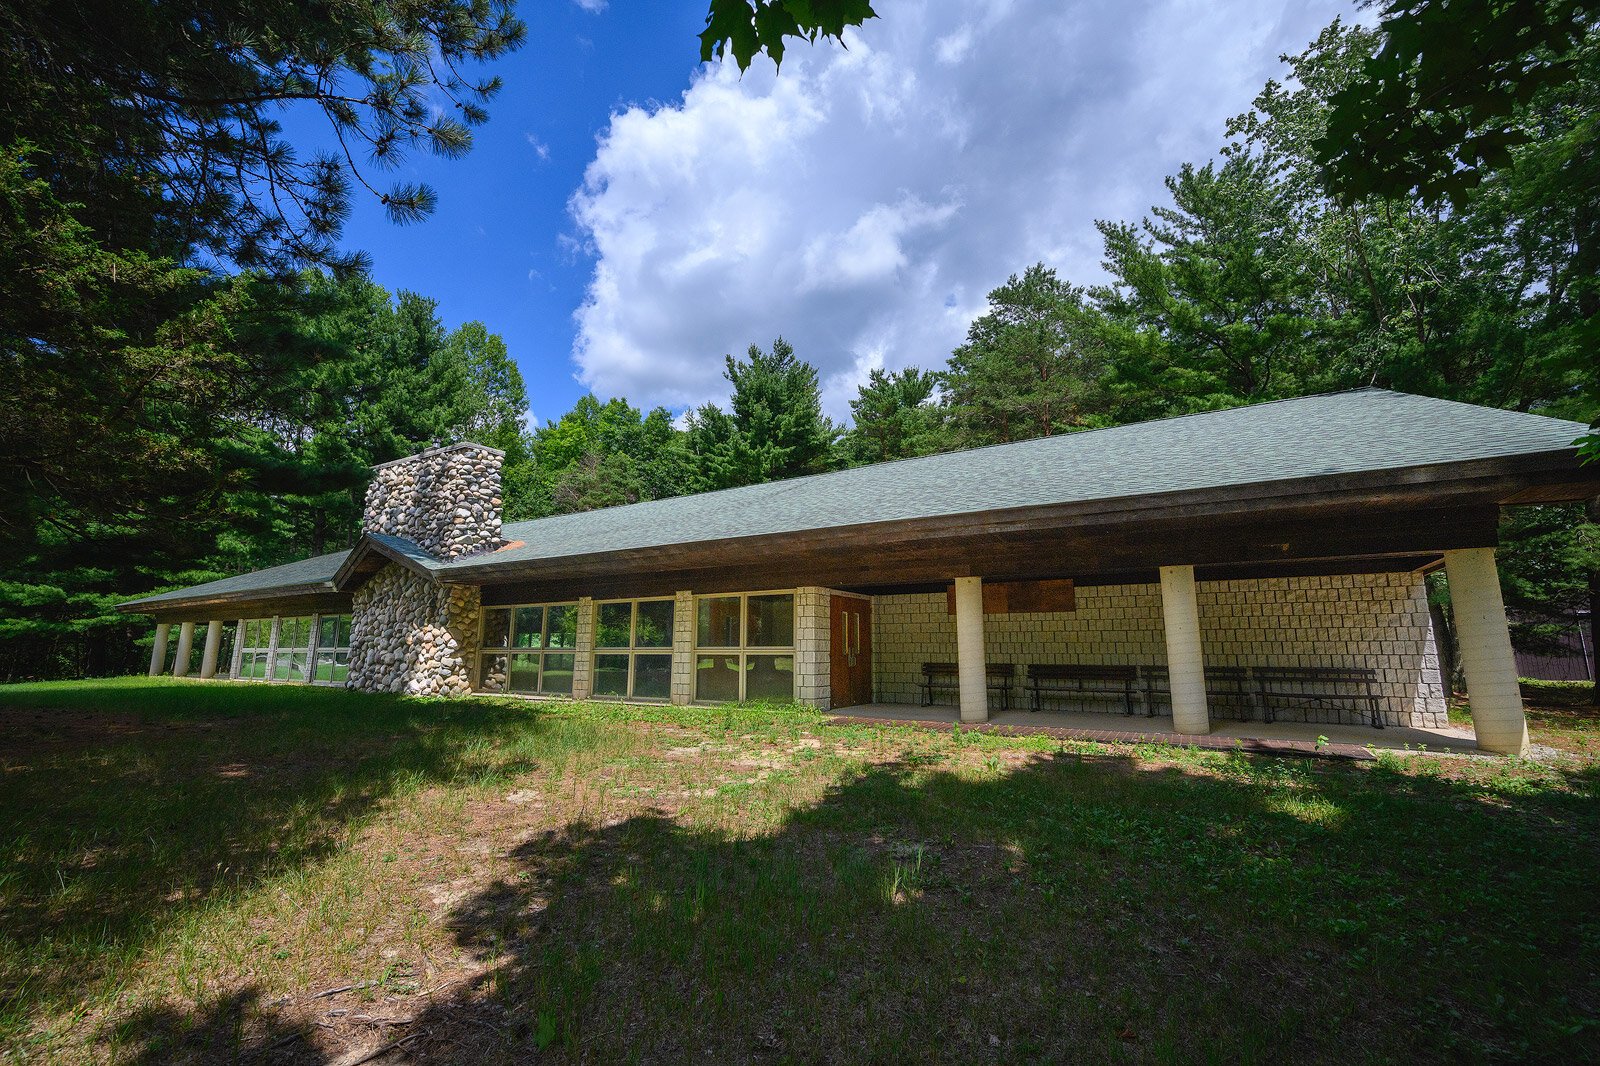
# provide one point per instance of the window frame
(744, 649)
(307, 649)
(633, 649)
(540, 651)
(342, 626)
(250, 654)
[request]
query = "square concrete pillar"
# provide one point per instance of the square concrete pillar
(813, 679)
(1185, 663)
(208, 660)
(683, 648)
(971, 668)
(158, 651)
(583, 653)
(1492, 688)
(180, 661)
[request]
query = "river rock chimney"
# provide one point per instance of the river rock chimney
(445, 500)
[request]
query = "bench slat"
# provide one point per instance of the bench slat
(1320, 684)
(944, 676)
(1071, 680)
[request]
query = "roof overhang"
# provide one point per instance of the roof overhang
(374, 551)
(320, 598)
(1402, 518)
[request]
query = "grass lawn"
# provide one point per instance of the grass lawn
(204, 872)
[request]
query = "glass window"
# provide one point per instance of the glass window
(611, 675)
(769, 677)
(561, 628)
(531, 634)
(622, 627)
(654, 626)
(332, 666)
(492, 673)
(758, 632)
(528, 631)
(556, 677)
(292, 661)
(524, 673)
(497, 629)
(716, 677)
(255, 639)
(770, 622)
(652, 676)
(717, 625)
(614, 626)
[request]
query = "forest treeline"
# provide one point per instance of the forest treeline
(256, 402)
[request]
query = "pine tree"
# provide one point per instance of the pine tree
(896, 415)
(1029, 368)
(775, 428)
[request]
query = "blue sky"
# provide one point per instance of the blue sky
(493, 251)
(628, 216)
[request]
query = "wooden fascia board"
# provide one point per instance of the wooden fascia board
(162, 608)
(1058, 551)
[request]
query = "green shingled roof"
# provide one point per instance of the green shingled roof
(306, 575)
(1339, 433)
(1367, 430)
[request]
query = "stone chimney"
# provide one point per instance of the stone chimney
(445, 500)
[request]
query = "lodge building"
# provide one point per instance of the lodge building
(1262, 563)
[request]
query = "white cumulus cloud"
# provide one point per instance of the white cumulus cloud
(864, 201)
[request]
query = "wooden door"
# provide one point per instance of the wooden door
(850, 651)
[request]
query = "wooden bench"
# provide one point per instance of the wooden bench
(945, 676)
(1229, 693)
(1337, 687)
(1081, 682)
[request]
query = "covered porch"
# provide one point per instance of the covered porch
(1295, 657)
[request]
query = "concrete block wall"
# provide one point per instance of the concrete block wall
(1377, 621)
(1372, 621)
(812, 666)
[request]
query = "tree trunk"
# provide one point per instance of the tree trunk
(1594, 614)
(1444, 640)
(1594, 634)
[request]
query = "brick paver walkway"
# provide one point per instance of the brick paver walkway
(1128, 736)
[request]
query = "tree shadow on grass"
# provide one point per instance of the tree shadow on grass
(1075, 908)
(128, 807)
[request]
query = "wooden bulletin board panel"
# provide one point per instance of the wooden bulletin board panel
(1022, 597)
